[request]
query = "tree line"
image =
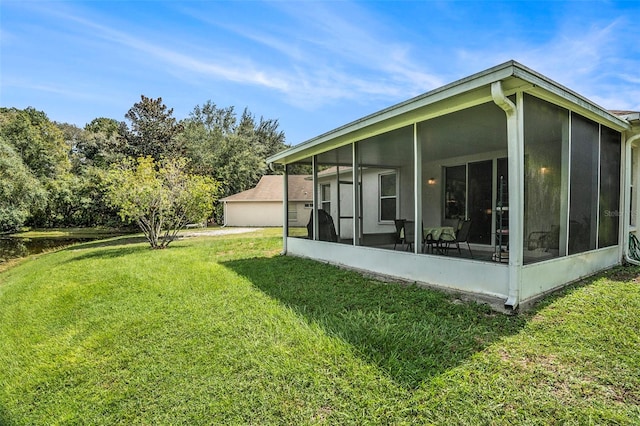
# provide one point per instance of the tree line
(58, 175)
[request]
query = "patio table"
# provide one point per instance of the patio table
(442, 233)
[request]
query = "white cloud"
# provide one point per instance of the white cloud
(327, 57)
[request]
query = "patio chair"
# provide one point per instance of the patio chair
(430, 243)
(326, 228)
(409, 234)
(398, 236)
(462, 236)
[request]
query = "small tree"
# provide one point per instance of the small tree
(160, 197)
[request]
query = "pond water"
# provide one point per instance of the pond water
(14, 247)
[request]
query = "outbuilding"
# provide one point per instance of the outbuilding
(262, 204)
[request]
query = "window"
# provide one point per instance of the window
(292, 212)
(325, 194)
(388, 197)
(455, 192)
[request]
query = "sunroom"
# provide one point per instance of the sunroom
(530, 172)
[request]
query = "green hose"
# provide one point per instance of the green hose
(634, 247)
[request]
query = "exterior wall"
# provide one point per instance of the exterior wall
(484, 278)
(406, 207)
(302, 213)
(371, 199)
(543, 277)
(267, 213)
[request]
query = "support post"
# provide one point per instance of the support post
(338, 210)
(285, 216)
(356, 194)
(314, 167)
(417, 186)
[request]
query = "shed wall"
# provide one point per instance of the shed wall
(267, 213)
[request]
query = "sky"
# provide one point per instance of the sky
(311, 65)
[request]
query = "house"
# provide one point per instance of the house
(544, 177)
(262, 205)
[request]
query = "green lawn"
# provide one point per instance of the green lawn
(223, 330)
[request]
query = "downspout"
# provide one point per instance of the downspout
(516, 191)
(285, 208)
(628, 162)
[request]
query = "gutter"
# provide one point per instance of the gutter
(515, 165)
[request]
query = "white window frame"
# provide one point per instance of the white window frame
(387, 197)
(325, 202)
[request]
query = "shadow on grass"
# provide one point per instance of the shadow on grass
(111, 249)
(121, 247)
(410, 332)
(117, 241)
(5, 420)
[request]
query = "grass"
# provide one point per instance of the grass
(222, 330)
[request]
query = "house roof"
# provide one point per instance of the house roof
(461, 94)
(270, 188)
(630, 116)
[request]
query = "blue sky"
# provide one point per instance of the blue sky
(313, 65)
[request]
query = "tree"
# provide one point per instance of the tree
(20, 191)
(41, 146)
(37, 140)
(230, 150)
(153, 130)
(108, 126)
(161, 197)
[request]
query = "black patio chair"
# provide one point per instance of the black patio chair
(462, 236)
(326, 228)
(398, 237)
(428, 243)
(409, 234)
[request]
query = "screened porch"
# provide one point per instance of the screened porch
(452, 169)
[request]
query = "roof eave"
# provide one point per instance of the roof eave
(467, 84)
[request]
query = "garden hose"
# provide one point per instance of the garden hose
(634, 247)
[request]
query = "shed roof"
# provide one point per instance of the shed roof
(270, 188)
